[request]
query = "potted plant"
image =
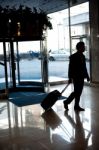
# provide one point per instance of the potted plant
(23, 22)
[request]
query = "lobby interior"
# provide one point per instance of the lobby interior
(31, 127)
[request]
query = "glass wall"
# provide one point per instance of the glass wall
(58, 47)
(80, 29)
(69, 27)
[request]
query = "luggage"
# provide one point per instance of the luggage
(51, 98)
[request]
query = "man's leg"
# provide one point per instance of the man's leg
(69, 100)
(78, 87)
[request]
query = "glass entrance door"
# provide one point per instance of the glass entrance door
(2, 68)
(21, 64)
(28, 63)
(5, 66)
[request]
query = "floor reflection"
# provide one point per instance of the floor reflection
(31, 128)
(81, 135)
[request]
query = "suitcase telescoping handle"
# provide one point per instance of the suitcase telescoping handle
(65, 88)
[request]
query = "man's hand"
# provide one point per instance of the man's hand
(88, 79)
(69, 81)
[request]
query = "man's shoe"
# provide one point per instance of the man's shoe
(79, 109)
(65, 106)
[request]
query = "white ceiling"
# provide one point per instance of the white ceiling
(48, 6)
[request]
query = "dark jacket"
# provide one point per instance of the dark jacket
(77, 66)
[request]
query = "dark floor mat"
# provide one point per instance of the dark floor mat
(28, 98)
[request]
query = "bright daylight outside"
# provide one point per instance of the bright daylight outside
(59, 39)
(27, 57)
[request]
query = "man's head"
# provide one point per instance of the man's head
(80, 47)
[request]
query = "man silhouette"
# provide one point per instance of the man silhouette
(77, 72)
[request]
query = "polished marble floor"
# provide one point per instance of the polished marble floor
(30, 128)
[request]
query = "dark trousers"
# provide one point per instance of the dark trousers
(78, 87)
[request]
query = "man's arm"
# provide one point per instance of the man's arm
(70, 70)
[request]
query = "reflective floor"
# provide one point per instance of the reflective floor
(30, 128)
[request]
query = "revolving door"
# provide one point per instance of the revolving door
(23, 68)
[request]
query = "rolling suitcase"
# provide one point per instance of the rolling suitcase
(51, 98)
